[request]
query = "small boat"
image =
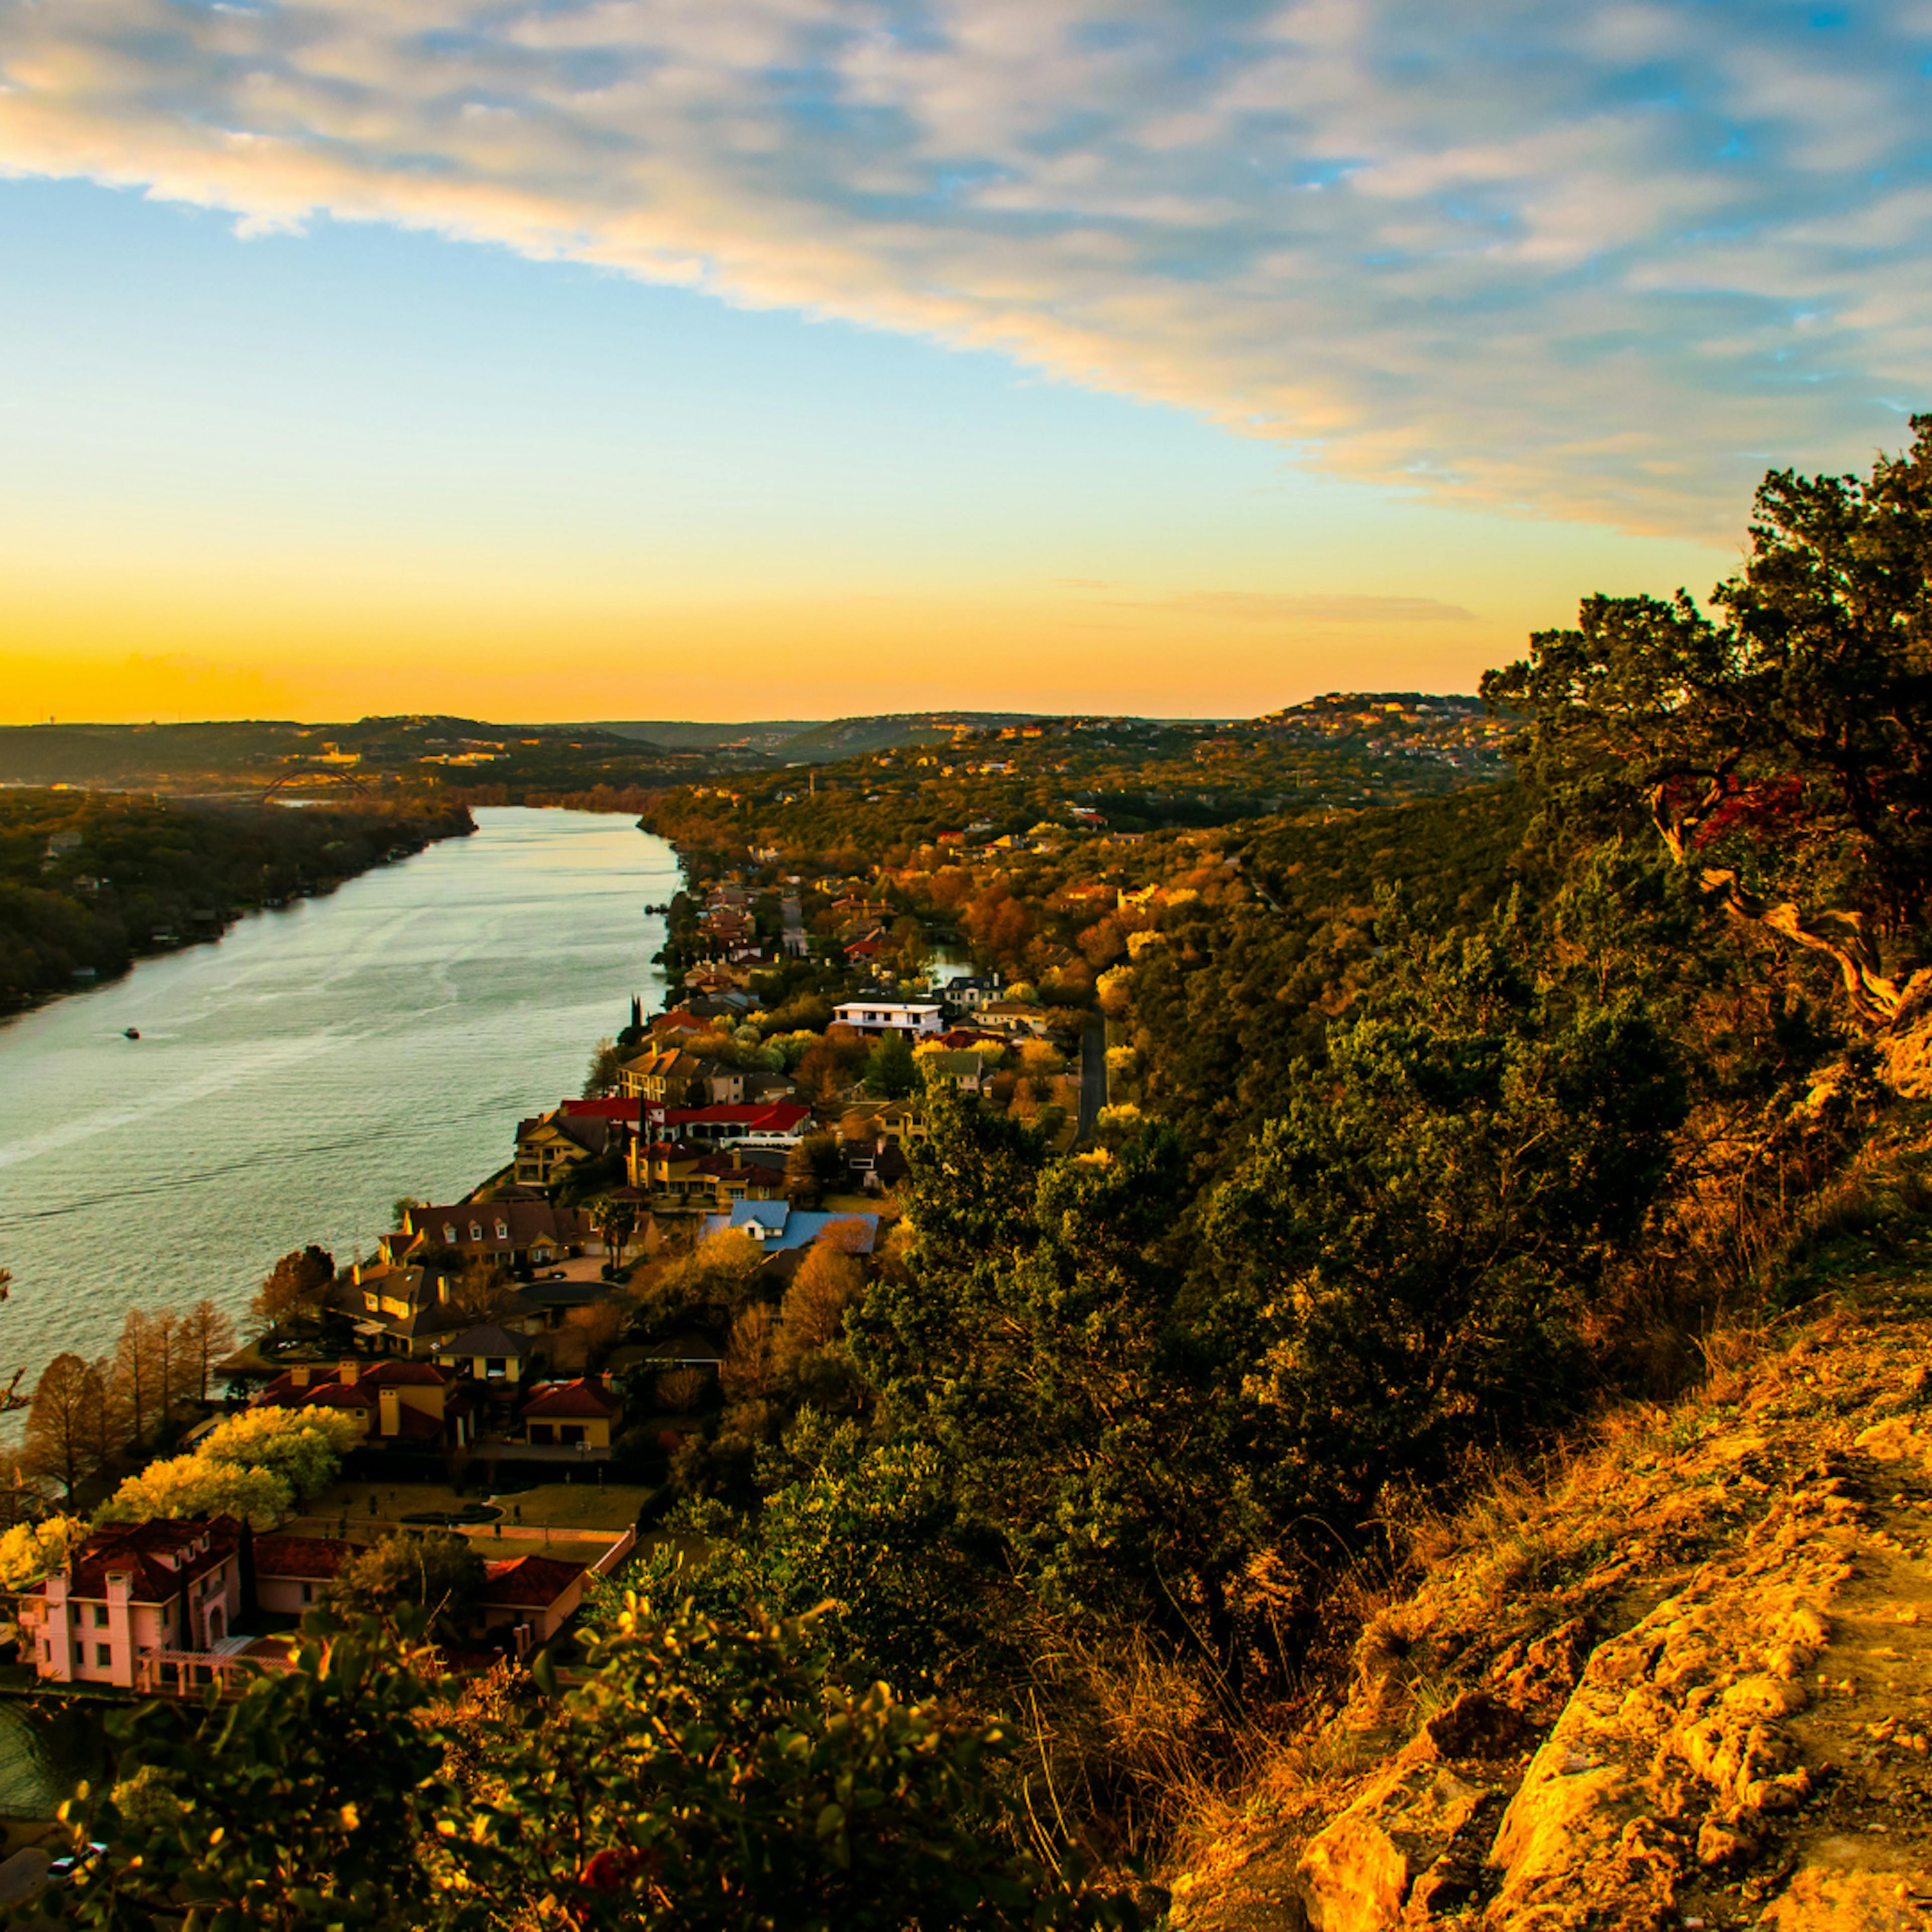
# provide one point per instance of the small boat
(130, 1033)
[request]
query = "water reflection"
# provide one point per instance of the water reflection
(47, 1746)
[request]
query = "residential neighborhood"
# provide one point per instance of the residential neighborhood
(532, 1372)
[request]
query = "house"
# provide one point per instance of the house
(873, 1138)
(678, 1177)
(713, 975)
(489, 1352)
(777, 1227)
(965, 1072)
(529, 1598)
(292, 1573)
(1015, 1016)
(550, 1143)
(604, 1106)
(682, 1020)
(670, 1077)
(584, 1414)
(402, 1403)
(135, 1597)
(687, 1349)
(525, 1234)
(877, 1012)
(969, 991)
(781, 1125)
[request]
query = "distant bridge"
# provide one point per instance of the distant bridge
(302, 781)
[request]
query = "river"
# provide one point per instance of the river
(295, 1078)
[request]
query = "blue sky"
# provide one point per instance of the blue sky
(354, 351)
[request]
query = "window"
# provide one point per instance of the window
(503, 1230)
(449, 1232)
(100, 1616)
(476, 1230)
(495, 1365)
(308, 1593)
(103, 1656)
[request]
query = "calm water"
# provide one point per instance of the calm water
(293, 1080)
(46, 1747)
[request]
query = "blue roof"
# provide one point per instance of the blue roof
(779, 1227)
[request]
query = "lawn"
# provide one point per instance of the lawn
(587, 1504)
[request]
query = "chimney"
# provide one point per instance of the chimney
(346, 1370)
(389, 1412)
(298, 1376)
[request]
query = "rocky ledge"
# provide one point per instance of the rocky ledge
(1685, 1683)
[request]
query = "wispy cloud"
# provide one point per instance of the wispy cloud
(1591, 261)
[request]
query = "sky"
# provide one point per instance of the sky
(547, 359)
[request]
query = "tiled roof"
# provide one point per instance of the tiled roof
(611, 1109)
(301, 1556)
(528, 1582)
(777, 1117)
(284, 1392)
(488, 1338)
(159, 1556)
(584, 1397)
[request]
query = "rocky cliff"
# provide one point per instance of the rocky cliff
(1685, 1681)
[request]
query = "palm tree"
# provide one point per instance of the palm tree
(614, 1219)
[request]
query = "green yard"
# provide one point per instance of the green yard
(575, 1505)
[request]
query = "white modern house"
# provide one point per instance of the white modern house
(876, 1013)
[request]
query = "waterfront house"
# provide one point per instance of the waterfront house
(549, 1145)
(668, 1076)
(131, 1595)
(524, 1235)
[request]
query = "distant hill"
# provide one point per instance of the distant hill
(817, 739)
(685, 735)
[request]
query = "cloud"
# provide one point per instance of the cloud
(1594, 261)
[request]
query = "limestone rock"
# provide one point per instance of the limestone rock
(1846, 1901)
(1357, 1875)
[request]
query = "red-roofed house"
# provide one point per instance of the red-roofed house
(582, 1412)
(131, 1592)
(293, 1572)
(533, 1595)
(393, 1402)
(682, 1020)
(780, 1124)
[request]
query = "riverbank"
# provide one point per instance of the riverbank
(92, 882)
(291, 1082)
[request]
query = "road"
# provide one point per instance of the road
(1093, 1078)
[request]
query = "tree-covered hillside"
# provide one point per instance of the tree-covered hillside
(89, 881)
(1437, 1130)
